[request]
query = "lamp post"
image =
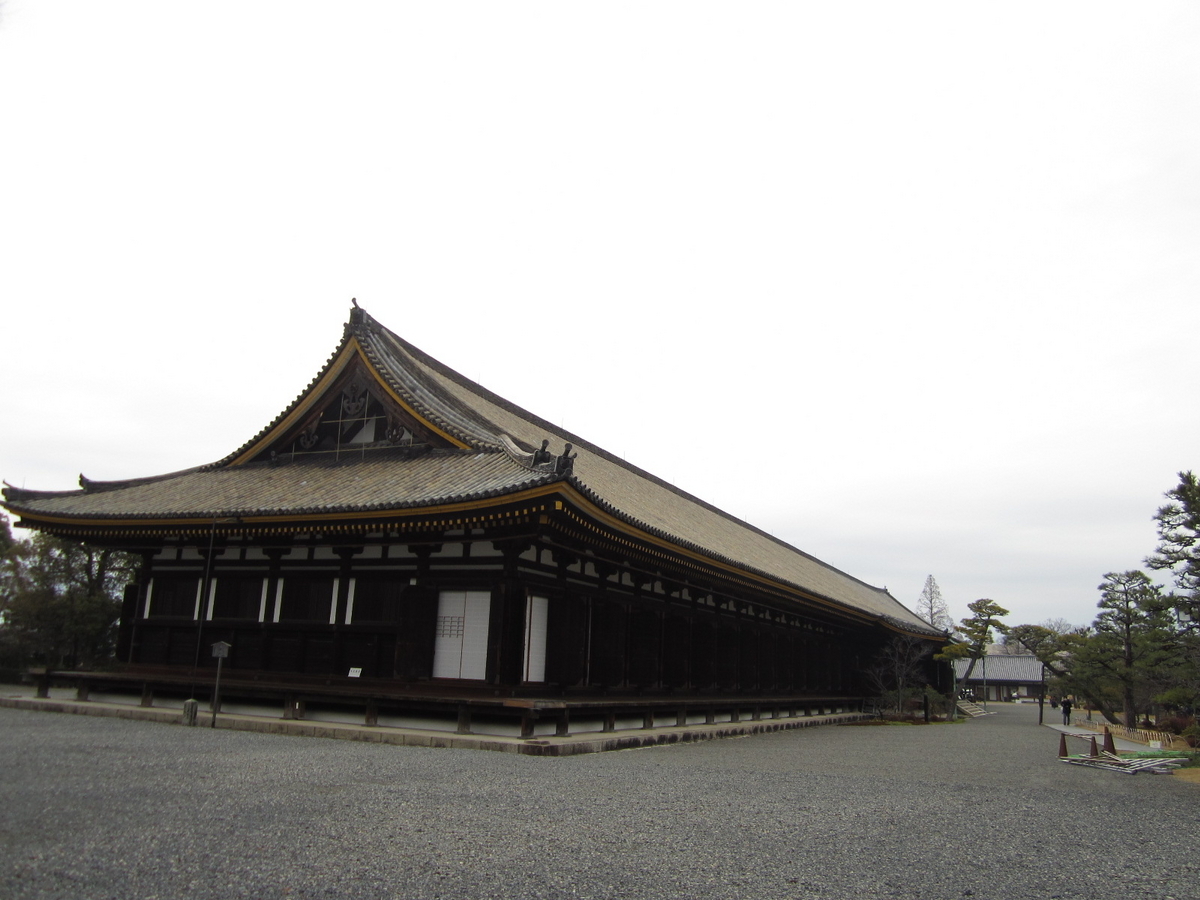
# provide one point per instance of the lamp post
(206, 592)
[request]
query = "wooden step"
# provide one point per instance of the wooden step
(973, 710)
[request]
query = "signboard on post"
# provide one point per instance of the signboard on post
(220, 652)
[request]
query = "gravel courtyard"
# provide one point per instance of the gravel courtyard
(110, 808)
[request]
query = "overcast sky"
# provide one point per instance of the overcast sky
(911, 286)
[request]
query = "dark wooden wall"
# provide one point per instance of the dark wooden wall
(601, 634)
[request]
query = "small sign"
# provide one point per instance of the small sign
(221, 650)
(356, 673)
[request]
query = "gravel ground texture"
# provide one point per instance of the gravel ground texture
(111, 808)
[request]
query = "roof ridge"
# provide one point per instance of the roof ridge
(578, 441)
(364, 327)
(619, 513)
(90, 486)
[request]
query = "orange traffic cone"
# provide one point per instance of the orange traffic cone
(1094, 751)
(1110, 745)
(1062, 746)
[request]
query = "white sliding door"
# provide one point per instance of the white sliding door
(536, 609)
(460, 647)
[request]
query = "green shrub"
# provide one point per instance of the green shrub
(1191, 734)
(1175, 724)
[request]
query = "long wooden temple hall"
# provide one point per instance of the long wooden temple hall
(401, 541)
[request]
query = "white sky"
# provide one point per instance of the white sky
(912, 286)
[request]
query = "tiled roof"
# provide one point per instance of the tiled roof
(474, 416)
(649, 500)
(371, 481)
(1022, 669)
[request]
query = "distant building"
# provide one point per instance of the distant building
(403, 535)
(1002, 677)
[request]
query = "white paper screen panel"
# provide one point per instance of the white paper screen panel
(460, 645)
(535, 639)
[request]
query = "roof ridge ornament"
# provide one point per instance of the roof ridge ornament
(541, 459)
(358, 318)
(565, 464)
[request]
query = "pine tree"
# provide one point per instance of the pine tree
(1132, 638)
(1178, 548)
(977, 633)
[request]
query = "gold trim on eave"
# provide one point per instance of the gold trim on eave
(576, 499)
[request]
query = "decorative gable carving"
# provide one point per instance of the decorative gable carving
(355, 413)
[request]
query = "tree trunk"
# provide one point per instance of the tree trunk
(1127, 681)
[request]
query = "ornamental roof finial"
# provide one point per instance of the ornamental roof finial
(565, 464)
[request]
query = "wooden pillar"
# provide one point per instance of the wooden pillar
(660, 663)
(506, 625)
(623, 617)
(689, 643)
(340, 606)
(464, 719)
(274, 556)
(417, 625)
(143, 583)
(208, 551)
(567, 627)
(345, 573)
(598, 668)
(132, 600)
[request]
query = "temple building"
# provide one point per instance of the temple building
(999, 676)
(403, 537)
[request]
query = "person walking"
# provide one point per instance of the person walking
(1066, 710)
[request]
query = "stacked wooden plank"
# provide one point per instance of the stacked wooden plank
(1131, 766)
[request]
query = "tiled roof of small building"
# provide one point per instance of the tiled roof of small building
(490, 426)
(1021, 669)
